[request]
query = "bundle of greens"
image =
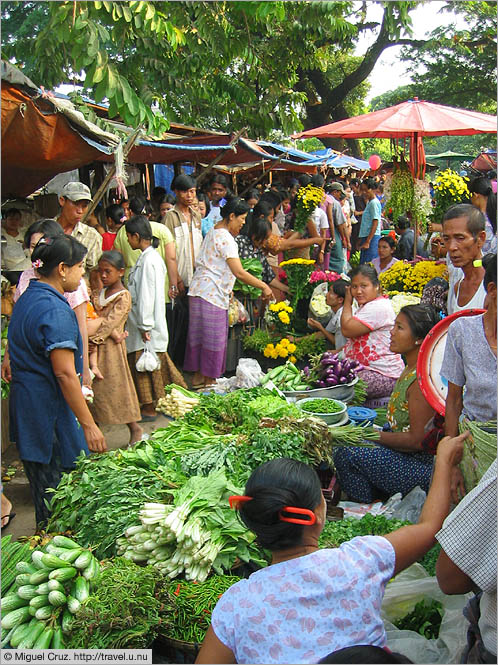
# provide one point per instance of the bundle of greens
(336, 533)
(197, 533)
(360, 393)
(254, 267)
(193, 604)
(124, 610)
(98, 498)
(425, 619)
(12, 553)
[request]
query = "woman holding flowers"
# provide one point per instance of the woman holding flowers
(399, 463)
(217, 267)
(368, 332)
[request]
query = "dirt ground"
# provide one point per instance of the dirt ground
(17, 488)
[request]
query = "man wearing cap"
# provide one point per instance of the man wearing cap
(341, 240)
(74, 200)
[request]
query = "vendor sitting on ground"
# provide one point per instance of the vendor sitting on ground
(399, 463)
(310, 602)
(335, 300)
(368, 332)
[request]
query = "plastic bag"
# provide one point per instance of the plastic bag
(148, 361)
(402, 594)
(319, 310)
(247, 375)
(237, 313)
(411, 506)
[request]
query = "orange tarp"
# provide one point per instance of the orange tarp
(37, 143)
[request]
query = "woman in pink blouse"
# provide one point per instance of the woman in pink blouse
(77, 300)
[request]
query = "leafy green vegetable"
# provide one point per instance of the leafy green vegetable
(360, 393)
(193, 605)
(123, 611)
(254, 267)
(425, 619)
(257, 341)
(336, 533)
(321, 405)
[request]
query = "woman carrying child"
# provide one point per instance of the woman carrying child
(115, 400)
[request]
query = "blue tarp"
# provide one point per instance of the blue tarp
(330, 158)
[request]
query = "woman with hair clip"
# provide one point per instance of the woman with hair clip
(46, 360)
(399, 463)
(385, 254)
(309, 601)
(483, 197)
(146, 324)
(217, 267)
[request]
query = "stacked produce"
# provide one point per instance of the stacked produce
(330, 370)
(285, 377)
(125, 610)
(177, 402)
(198, 532)
(193, 605)
(12, 554)
(48, 592)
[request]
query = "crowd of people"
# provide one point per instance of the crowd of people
(126, 304)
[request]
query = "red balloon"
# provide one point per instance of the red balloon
(374, 161)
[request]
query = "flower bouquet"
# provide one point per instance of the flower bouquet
(449, 189)
(405, 277)
(282, 349)
(307, 199)
(278, 316)
(319, 276)
(298, 278)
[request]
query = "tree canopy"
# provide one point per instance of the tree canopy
(225, 65)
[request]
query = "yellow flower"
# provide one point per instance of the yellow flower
(291, 347)
(273, 307)
(284, 353)
(284, 318)
(293, 359)
(284, 342)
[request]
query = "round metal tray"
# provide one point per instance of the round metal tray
(343, 393)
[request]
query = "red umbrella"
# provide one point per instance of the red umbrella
(412, 119)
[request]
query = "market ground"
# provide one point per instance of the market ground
(17, 489)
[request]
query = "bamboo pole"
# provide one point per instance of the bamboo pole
(217, 159)
(101, 190)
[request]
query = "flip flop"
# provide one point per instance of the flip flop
(11, 517)
(148, 419)
(196, 386)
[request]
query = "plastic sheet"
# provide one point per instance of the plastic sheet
(402, 594)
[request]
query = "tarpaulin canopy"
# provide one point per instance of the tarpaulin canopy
(43, 136)
(412, 119)
(333, 159)
(486, 161)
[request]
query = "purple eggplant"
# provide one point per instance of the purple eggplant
(338, 369)
(306, 371)
(328, 355)
(343, 379)
(332, 381)
(321, 384)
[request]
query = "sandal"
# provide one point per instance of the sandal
(148, 419)
(11, 517)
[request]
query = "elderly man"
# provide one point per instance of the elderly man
(74, 200)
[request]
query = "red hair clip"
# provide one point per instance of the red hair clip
(297, 511)
(234, 501)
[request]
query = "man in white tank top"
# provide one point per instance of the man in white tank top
(463, 236)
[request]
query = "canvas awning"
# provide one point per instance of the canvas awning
(43, 136)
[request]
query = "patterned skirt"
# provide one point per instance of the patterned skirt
(149, 385)
(207, 338)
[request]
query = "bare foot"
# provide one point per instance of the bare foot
(136, 433)
(97, 373)
(6, 510)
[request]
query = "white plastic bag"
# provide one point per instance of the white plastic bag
(402, 594)
(248, 373)
(148, 361)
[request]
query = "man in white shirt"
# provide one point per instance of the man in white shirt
(218, 188)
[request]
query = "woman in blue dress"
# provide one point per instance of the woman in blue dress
(50, 420)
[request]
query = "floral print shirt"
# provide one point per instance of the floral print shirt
(398, 415)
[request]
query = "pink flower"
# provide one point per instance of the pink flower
(37, 264)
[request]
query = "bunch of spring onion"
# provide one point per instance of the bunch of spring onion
(177, 402)
(194, 535)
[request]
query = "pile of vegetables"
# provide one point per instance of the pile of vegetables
(336, 533)
(286, 377)
(12, 554)
(125, 610)
(254, 267)
(425, 619)
(193, 604)
(329, 370)
(48, 592)
(198, 532)
(321, 406)
(177, 402)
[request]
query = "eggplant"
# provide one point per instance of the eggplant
(306, 370)
(328, 355)
(328, 363)
(321, 384)
(343, 379)
(332, 381)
